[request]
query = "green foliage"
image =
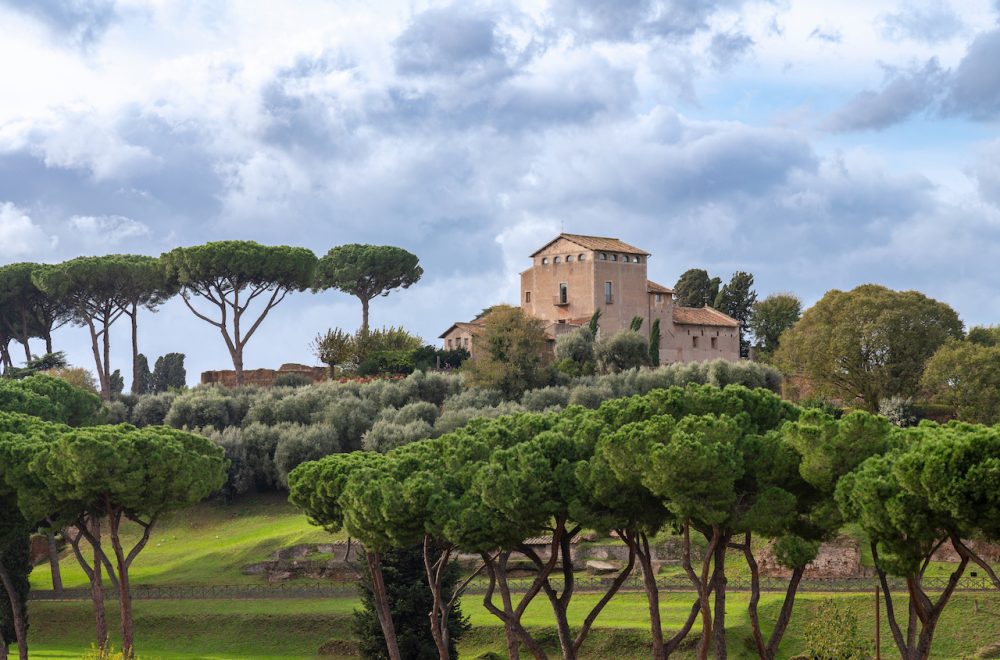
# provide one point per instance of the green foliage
(49, 398)
(575, 353)
(654, 343)
(695, 288)
(622, 351)
(984, 335)
(966, 375)
(869, 343)
(152, 409)
(737, 299)
(409, 603)
(26, 310)
(334, 348)
(510, 352)
(292, 380)
(636, 324)
(117, 383)
(367, 271)
(898, 410)
(770, 317)
(594, 324)
(169, 373)
(834, 634)
(207, 406)
(143, 381)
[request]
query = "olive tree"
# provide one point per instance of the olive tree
(366, 272)
(229, 276)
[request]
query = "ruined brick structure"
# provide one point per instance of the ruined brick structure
(263, 377)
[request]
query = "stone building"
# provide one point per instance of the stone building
(572, 276)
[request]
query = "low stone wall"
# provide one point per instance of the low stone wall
(840, 558)
(263, 377)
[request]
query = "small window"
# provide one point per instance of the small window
(602, 256)
(582, 257)
(449, 343)
(715, 342)
(614, 257)
(555, 260)
(466, 342)
(607, 293)
(694, 342)
(563, 294)
(637, 260)
(527, 296)
(659, 297)
(545, 260)
(569, 258)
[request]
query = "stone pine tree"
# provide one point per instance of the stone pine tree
(119, 474)
(89, 286)
(737, 299)
(366, 272)
(143, 284)
(696, 289)
(228, 276)
(27, 310)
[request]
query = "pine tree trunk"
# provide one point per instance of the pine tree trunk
(124, 595)
(135, 348)
(719, 579)
(382, 605)
(364, 316)
(20, 627)
(97, 592)
(57, 585)
(101, 375)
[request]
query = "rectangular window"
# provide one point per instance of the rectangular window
(608, 299)
(527, 296)
(659, 297)
(715, 342)
(694, 342)
(466, 342)
(563, 294)
(449, 344)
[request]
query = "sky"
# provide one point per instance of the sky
(817, 145)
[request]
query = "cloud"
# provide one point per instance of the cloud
(106, 230)
(623, 20)
(448, 41)
(19, 235)
(729, 47)
(904, 94)
(827, 34)
(986, 171)
(80, 21)
(975, 87)
(931, 23)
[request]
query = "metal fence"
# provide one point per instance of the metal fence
(479, 587)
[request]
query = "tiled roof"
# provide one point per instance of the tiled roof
(595, 243)
(471, 327)
(653, 287)
(703, 316)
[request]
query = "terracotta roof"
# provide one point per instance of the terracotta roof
(653, 287)
(471, 327)
(703, 316)
(595, 243)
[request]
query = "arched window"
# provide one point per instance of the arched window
(602, 256)
(637, 260)
(569, 258)
(555, 260)
(614, 257)
(545, 260)
(582, 257)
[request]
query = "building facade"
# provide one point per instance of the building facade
(572, 276)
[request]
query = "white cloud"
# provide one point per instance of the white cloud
(106, 230)
(20, 237)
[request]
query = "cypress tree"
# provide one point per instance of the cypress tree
(654, 343)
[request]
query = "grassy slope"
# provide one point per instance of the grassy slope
(208, 544)
(297, 628)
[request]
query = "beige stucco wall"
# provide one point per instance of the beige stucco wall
(681, 347)
(458, 338)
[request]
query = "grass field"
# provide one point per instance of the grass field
(298, 628)
(212, 542)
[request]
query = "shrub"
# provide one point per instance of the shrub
(240, 478)
(473, 398)
(590, 396)
(456, 418)
(545, 398)
(385, 435)
(75, 376)
(833, 634)
(387, 362)
(292, 380)
(898, 410)
(208, 406)
(116, 412)
(577, 348)
(152, 409)
(420, 411)
(52, 399)
(623, 350)
(298, 444)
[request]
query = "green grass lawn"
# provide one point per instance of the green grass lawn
(207, 544)
(297, 628)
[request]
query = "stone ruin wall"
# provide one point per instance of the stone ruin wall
(263, 377)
